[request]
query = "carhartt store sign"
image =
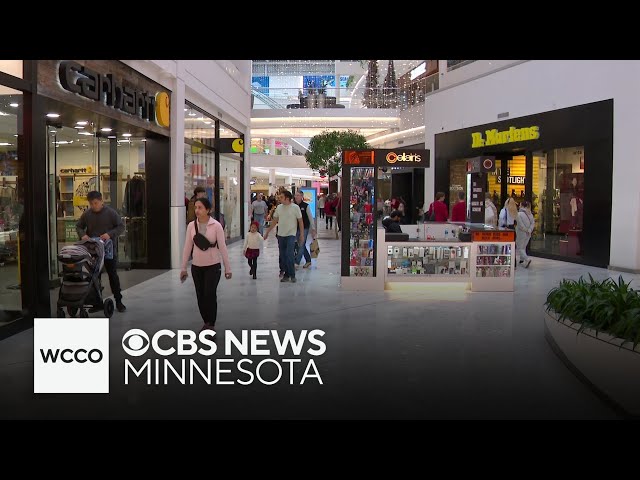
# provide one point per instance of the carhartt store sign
(494, 137)
(113, 92)
(109, 88)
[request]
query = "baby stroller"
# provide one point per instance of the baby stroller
(81, 284)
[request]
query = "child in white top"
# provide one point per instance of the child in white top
(252, 247)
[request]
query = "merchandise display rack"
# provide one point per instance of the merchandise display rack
(362, 231)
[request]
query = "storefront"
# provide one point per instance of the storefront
(214, 150)
(69, 127)
(560, 161)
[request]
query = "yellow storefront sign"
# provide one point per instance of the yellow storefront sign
(494, 137)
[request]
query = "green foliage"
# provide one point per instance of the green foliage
(325, 149)
(607, 306)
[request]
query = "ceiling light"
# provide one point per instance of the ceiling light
(111, 136)
(53, 115)
(79, 127)
(85, 133)
(83, 123)
(192, 114)
(126, 134)
(105, 129)
(207, 123)
(185, 109)
(15, 135)
(4, 144)
(143, 140)
(14, 105)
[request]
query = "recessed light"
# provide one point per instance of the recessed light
(106, 129)
(85, 133)
(14, 105)
(79, 127)
(5, 144)
(207, 123)
(83, 123)
(53, 115)
(185, 109)
(192, 114)
(111, 136)
(15, 135)
(143, 140)
(126, 134)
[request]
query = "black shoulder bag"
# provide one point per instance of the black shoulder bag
(200, 240)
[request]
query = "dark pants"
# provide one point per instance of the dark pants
(329, 221)
(302, 249)
(280, 257)
(253, 264)
(321, 210)
(206, 280)
(287, 246)
(114, 281)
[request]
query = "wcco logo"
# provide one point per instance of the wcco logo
(71, 355)
(68, 356)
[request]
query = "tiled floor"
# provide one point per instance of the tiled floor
(439, 353)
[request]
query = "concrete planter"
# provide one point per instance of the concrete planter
(610, 368)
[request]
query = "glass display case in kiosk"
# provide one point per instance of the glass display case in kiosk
(360, 235)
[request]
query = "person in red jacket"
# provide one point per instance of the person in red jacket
(459, 210)
(439, 208)
(329, 211)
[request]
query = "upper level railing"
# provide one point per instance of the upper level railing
(454, 64)
(401, 98)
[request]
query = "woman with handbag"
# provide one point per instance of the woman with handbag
(205, 241)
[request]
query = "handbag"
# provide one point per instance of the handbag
(315, 248)
(200, 240)
(432, 215)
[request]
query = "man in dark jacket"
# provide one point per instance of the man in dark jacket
(103, 221)
(392, 223)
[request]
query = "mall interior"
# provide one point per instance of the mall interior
(451, 329)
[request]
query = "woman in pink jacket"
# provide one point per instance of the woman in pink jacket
(205, 267)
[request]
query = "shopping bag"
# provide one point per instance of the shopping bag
(315, 248)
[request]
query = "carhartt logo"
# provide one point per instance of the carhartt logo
(71, 355)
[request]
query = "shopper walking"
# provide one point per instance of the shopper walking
(100, 220)
(253, 243)
(459, 210)
(490, 211)
(309, 226)
(438, 211)
(206, 243)
(321, 201)
(508, 214)
(329, 212)
(198, 192)
(525, 224)
(259, 210)
(288, 218)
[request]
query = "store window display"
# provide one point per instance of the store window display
(11, 203)
(560, 186)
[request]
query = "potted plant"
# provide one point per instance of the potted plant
(594, 326)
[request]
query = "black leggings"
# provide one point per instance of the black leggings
(329, 220)
(206, 280)
(253, 263)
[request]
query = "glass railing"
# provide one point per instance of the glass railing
(454, 64)
(400, 98)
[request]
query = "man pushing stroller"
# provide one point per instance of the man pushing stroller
(102, 221)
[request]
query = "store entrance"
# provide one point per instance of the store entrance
(84, 159)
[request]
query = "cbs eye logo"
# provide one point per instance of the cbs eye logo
(135, 342)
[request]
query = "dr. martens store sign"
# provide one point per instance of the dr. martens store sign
(109, 88)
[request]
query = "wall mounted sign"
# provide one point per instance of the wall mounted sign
(231, 145)
(481, 164)
(418, 158)
(513, 180)
(494, 137)
(114, 92)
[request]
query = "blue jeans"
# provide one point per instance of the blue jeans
(287, 244)
(260, 219)
(280, 250)
(303, 250)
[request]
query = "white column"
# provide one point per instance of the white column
(289, 182)
(289, 150)
(247, 178)
(272, 181)
(178, 209)
(272, 147)
(442, 72)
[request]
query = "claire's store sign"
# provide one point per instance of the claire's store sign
(495, 137)
(114, 92)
